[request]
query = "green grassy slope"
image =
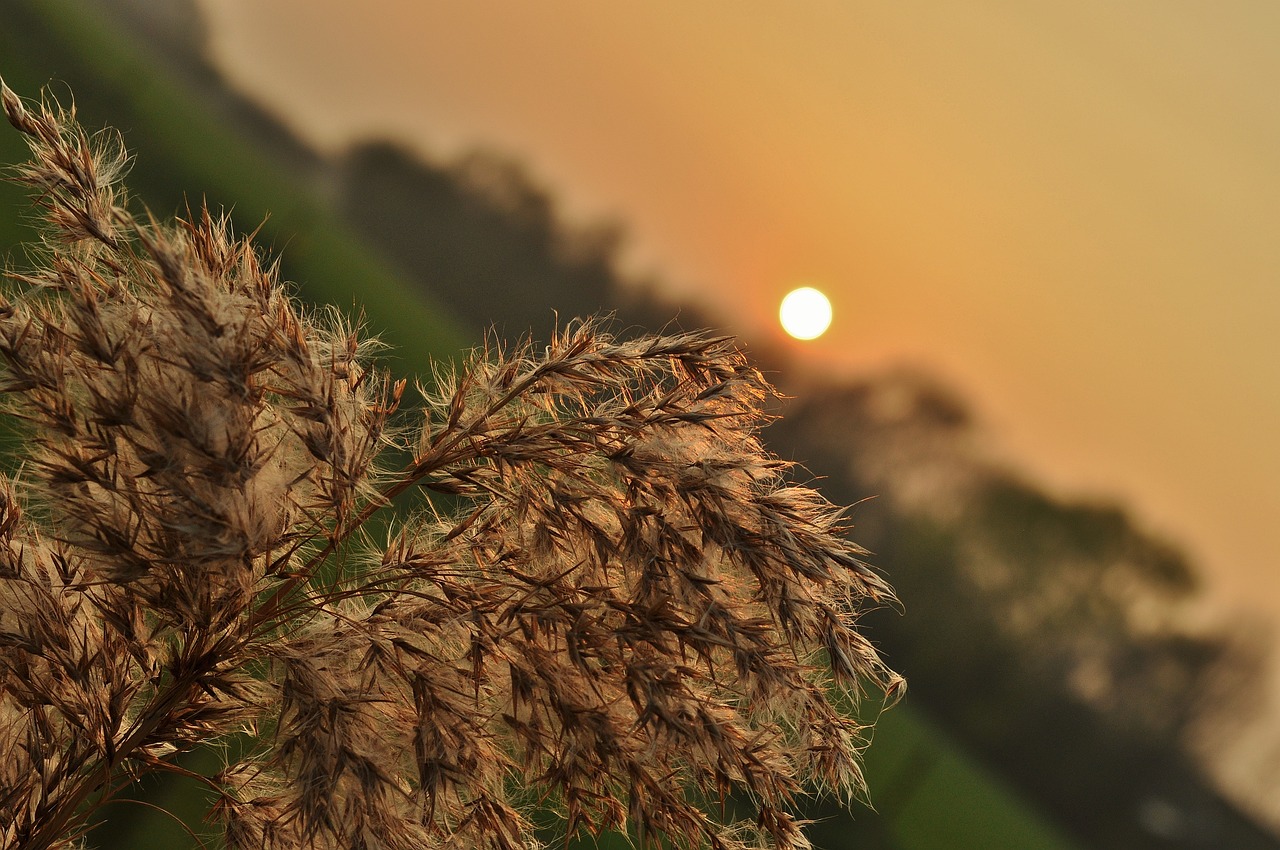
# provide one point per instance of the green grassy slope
(932, 795)
(182, 153)
(929, 794)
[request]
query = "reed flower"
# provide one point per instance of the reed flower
(626, 614)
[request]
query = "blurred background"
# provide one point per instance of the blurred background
(1051, 386)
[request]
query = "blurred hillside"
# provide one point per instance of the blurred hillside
(1048, 636)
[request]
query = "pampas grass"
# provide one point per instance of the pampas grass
(628, 615)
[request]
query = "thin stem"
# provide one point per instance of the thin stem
(51, 829)
(410, 476)
(162, 810)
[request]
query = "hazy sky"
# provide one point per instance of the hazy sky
(1072, 209)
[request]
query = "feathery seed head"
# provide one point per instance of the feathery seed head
(629, 614)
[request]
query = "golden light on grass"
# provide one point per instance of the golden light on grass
(805, 313)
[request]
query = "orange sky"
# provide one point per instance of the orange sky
(1072, 210)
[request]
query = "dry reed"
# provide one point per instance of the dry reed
(630, 615)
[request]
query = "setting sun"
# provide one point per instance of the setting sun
(805, 313)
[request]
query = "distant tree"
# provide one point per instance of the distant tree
(628, 615)
(484, 238)
(1049, 634)
(478, 233)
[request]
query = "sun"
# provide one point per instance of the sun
(805, 313)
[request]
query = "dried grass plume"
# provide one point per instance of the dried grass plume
(627, 615)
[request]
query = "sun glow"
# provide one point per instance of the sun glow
(805, 313)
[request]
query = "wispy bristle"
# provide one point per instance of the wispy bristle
(631, 614)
